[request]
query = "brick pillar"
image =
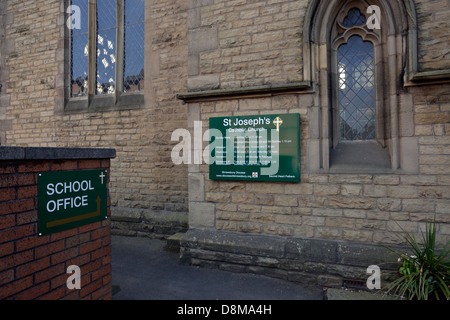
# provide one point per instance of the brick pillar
(33, 266)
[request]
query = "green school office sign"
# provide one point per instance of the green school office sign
(255, 148)
(69, 199)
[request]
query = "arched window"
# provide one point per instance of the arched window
(356, 90)
(357, 107)
(355, 54)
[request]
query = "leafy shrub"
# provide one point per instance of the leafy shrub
(425, 272)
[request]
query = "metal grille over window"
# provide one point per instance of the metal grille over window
(133, 71)
(106, 46)
(79, 51)
(356, 90)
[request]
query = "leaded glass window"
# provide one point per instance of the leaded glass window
(358, 127)
(356, 90)
(106, 46)
(79, 52)
(113, 31)
(354, 18)
(133, 69)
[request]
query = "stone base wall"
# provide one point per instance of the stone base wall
(306, 261)
(145, 223)
(334, 206)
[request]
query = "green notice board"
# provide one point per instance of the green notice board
(69, 199)
(255, 148)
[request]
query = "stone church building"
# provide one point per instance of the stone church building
(369, 80)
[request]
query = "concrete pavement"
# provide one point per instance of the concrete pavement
(143, 270)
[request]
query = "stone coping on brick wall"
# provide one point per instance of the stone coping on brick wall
(41, 153)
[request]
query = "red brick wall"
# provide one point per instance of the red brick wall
(33, 267)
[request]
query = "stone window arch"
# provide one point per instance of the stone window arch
(329, 29)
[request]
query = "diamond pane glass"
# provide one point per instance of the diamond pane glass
(79, 49)
(106, 46)
(356, 82)
(133, 71)
(354, 18)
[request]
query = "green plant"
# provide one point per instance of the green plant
(425, 272)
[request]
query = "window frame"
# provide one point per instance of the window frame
(360, 155)
(319, 36)
(92, 102)
(371, 155)
(341, 34)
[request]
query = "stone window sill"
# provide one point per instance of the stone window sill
(360, 157)
(103, 103)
